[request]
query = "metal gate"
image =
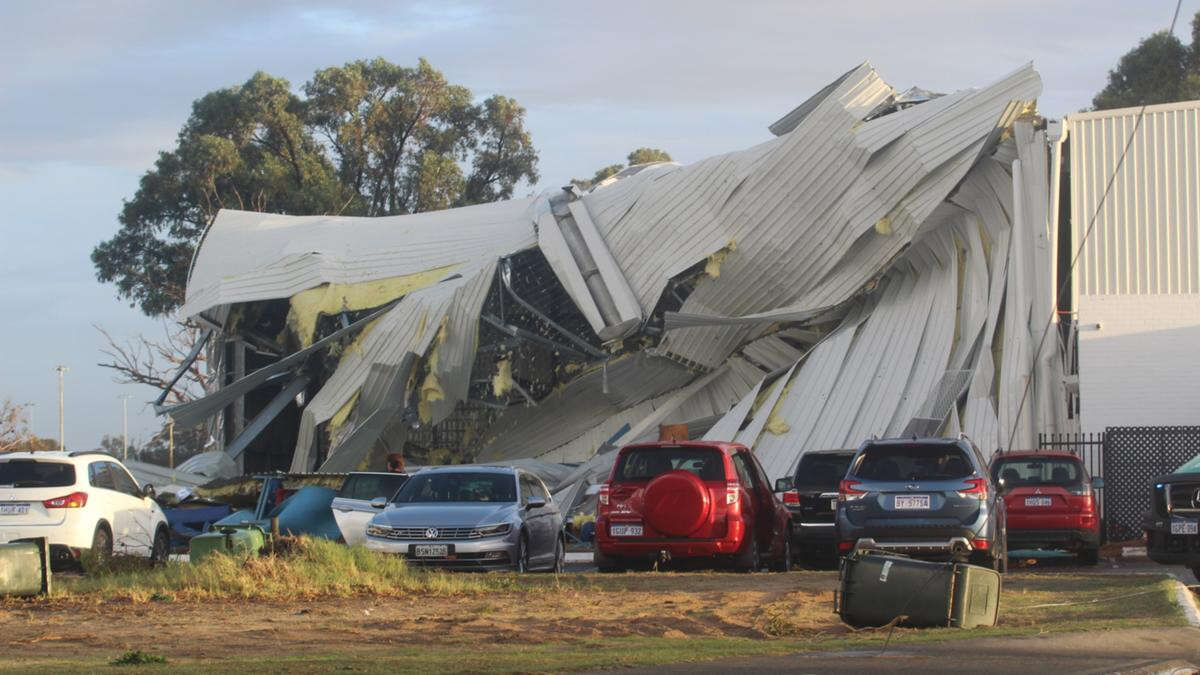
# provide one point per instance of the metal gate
(1090, 449)
(1133, 458)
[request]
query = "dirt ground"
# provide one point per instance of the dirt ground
(658, 605)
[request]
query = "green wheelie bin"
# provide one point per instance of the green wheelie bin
(877, 587)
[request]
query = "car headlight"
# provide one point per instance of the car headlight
(378, 531)
(493, 530)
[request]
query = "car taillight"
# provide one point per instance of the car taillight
(732, 490)
(848, 491)
(791, 497)
(980, 544)
(75, 500)
(604, 492)
(845, 545)
(978, 489)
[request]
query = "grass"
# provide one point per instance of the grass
(313, 568)
(137, 657)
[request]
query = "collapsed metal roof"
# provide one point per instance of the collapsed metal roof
(880, 267)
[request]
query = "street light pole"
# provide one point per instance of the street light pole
(62, 440)
(125, 427)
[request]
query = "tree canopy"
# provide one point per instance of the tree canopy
(1161, 69)
(638, 156)
(367, 138)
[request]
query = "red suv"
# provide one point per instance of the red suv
(1050, 500)
(690, 499)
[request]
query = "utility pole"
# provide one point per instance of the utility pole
(170, 443)
(125, 427)
(62, 436)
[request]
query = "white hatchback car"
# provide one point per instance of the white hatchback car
(79, 501)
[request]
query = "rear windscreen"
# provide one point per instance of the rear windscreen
(1037, 471)
(821, 472)
(913, 462)
(32, 473)
(369, 487)
(647, 463)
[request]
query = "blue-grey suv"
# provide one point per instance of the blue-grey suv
(927, 497)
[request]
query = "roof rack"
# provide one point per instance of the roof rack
(80, 453)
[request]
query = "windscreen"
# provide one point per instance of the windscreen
(472, 486)
(913, 463)
(33, 473)
(370, 486)
(1019, 472)
(821, 471)
(647, 463)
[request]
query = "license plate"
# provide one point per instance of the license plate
(1184, 527)
(431, 550)
(625, 530)
(1037, 501)
(912, 501)
(13, 509)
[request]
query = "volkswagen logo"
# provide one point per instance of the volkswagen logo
(431, 533)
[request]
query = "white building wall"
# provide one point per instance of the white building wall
(1141, 366)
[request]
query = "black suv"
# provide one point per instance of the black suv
(1173, 524)
(811, 495)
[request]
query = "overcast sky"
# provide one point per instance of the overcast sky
(90, 92)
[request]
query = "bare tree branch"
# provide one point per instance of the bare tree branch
(141, 360)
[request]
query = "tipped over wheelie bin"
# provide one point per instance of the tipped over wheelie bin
(877, 588)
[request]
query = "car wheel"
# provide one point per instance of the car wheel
(784, 564)
(560, 558)
(102, 544)
(749, 560)
(161, 549)
(1196, 572)
(1088, 555)
(522, 564)
(605, 563)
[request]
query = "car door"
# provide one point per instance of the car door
(761, 512)
(135, 513)
(536, 519)
(106, 502)
(774, 519)
(352, 507)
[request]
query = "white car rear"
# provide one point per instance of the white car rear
(78, 501)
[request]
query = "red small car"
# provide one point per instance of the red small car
(1050, 500)
(698, 500)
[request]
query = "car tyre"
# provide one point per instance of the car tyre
(522, 564)
(606, 563)
(1089, 555)
(560, 558)
(102, 544)
(161, 549)
(749, 559)
(784, 564)
(1196, 572)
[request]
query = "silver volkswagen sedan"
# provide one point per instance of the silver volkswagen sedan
(472, 517)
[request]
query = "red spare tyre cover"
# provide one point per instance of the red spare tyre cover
(676, 503)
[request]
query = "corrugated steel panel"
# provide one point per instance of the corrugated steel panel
(247, 256)
(1146, 237)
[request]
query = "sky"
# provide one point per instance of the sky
(91, 92)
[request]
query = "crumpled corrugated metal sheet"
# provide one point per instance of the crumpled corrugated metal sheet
(248, 256)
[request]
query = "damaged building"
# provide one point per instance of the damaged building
(885, 264)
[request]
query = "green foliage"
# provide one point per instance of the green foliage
(137, 657)
(369, 138)
(639, 156)
(647, 155)
(1161, 69)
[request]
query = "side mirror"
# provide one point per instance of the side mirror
(379, 503)
(535, 503)
(148, 491)
(784, 484)
(1097, 483)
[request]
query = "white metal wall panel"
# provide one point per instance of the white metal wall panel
(1146, 237)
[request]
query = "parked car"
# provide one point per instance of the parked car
(476, 517)
(1173, 524)
(357, 501)
(79, 501)
(1050, 502)
(926, 497)
(812, 496)
(690, 500)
